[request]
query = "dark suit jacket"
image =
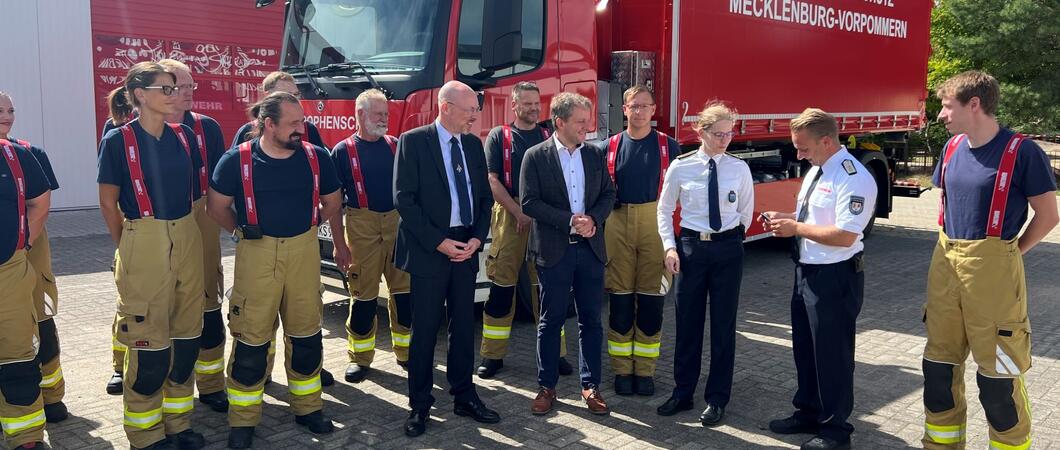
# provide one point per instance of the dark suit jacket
(421, 196)
(544, 197)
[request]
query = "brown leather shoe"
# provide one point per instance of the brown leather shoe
(543, 403)
(595, 401)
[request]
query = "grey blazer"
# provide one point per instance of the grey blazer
(543, 193)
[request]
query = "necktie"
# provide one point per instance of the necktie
(804, 210)
(461, 184)
(712, 192)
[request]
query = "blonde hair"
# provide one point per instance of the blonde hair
(269, 83)
(713, 112)
(172, 64)
(367, 96)
(972, 83)
(816, 122)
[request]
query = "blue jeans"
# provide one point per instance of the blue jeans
(582, 272)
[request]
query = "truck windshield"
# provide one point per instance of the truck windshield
(382, 35)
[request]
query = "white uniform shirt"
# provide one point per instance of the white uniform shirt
(447, 157)
(686, 181)
(845, 197)
(573, 176)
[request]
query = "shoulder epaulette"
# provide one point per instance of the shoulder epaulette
(848, 166)
(687, 154)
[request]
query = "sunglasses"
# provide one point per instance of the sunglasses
(723, 134)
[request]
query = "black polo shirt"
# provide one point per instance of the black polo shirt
(377, 168)
(283, 188)
(170, 175)
(36, 185)
(521, 141)
(637, 167)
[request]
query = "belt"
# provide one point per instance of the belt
(731, 233)
(575, 239)
(857, 261)
(459, 233)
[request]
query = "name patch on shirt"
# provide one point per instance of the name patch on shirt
(857, 204)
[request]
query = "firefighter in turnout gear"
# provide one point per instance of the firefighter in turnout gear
(510, 229)
(209, 366)
(364, 245)
(148, 178)
(636, 279)
(24, 203)
(45, 292)
(280, 187)
(977, 293)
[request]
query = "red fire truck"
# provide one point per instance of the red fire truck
(865, 61)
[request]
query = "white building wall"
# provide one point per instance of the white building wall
(47, 69)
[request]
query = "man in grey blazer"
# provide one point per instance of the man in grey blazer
(566, 190)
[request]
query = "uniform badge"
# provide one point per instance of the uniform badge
(848, 166)
(857, 204)
(732, 196)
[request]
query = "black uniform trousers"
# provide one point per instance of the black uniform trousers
(451, 295)
(825, 304)
(711, 272)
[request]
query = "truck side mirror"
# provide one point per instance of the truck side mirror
(502, 34)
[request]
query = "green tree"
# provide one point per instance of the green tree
(1017, 41)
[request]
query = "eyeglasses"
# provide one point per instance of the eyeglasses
(166, 90)
(722, 134)
(188, 87)
(472, 110)
(638, 108)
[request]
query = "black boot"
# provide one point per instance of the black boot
(624, 384)
(316, 422)
(114, 386)
(489, 367)
(187, 440)
(240, 437)
(565, 367)
(55, 412)
(216, 401)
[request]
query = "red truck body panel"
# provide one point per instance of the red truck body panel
(865, 61)
(229, 45)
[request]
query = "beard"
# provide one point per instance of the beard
(293, 142)
(376, 129)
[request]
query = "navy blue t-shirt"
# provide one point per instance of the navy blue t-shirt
(970, 177)
(521, 142)
(45, 164)
(377, 168)
(36, 185)
(311, 131)
(637, 167)
(215, 139)
(171, 176)
(283, 188)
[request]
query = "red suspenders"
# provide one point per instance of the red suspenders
(136, 173)
(246, 172)
(664, 156)
(1002, 182)
(20, 189)
(200, 137)
(506, 147)
(355, 168)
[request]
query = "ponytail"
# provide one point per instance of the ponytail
(267, 108)
(121, 110)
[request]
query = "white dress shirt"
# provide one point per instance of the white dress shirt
(447, 157)
(845, 197)
(573, 175)
(686, 181)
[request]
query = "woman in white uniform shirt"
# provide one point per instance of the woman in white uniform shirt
(716, 193)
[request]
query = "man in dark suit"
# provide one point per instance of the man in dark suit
(566, 190)
(444, 200)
